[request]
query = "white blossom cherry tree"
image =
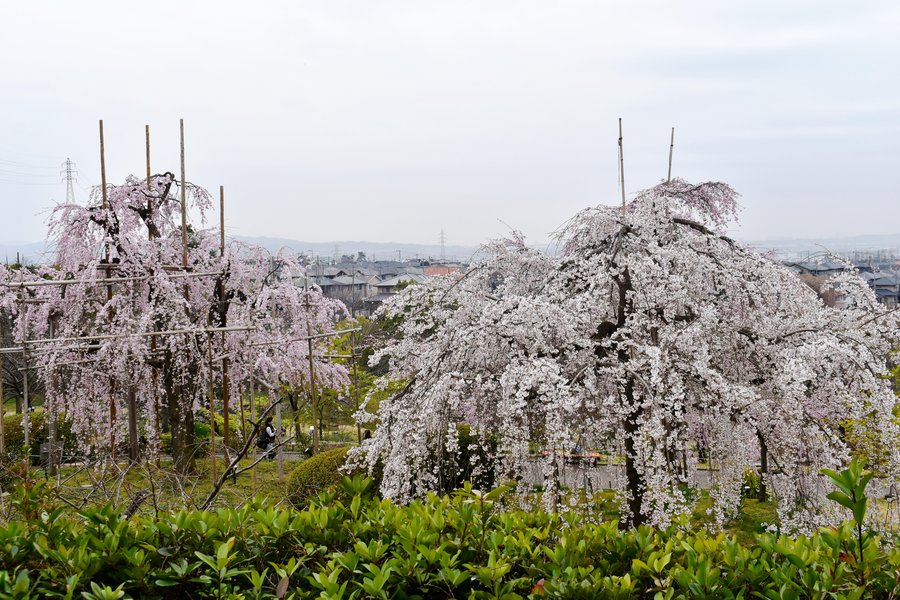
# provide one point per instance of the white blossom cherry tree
(135, 331)
(651, 336)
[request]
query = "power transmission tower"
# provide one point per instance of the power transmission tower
(443, 245)
(70, 174)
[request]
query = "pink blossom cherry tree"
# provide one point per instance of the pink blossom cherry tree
(651, 336)
(137, 330)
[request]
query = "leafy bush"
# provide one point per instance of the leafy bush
(314, 475)
(39, 432)
(750, 484)
(457, 546)
(201, 431)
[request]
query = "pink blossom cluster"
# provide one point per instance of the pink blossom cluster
(106, 344)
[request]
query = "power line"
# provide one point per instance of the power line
(12, 173)
(18, 165)
(12, 182)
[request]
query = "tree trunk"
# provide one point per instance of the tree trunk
(181, 420)
(762, 493)
(634, 480)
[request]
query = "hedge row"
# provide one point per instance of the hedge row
(456, 546)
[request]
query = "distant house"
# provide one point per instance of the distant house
(352, 290)
(388, 287)
(830, 294)
(824, 268)
(887, 288)
(439, 269)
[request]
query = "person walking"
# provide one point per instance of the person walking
(266, 440)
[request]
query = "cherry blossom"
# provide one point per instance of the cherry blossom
(652, 339)
(108, 346)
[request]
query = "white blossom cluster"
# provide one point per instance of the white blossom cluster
(653, 340)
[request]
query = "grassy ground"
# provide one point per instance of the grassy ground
(753, 517)
(119, 484)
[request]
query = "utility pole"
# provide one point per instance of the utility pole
(70, 174)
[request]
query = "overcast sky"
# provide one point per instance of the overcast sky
(388, 121)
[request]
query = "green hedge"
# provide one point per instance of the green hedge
(314, 475)
(458, 546)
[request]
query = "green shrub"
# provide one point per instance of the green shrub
(39, 432)
(457, 546)
(315, 475)
(201, 430)
(750, 484)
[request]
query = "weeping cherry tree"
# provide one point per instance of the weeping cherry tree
(132, 331)
(652, 338)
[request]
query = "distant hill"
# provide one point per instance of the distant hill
(787, 247)
(373, 250)
(863, 244)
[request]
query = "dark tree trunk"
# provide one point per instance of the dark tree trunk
(181, 420)
(633, 478)
(762, 493)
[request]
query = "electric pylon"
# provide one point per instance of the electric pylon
(70, 174)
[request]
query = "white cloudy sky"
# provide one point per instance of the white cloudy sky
(387, 121)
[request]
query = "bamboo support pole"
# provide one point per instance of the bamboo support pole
(225, 396)
(26, 428)
(133, 444)
(105, 205)
(184, 242)
(102, 166)
(154, 372)
(50, 412)
(621, 165)
(147, 153)
(355, 384)
(280, 454)
(253, 419)
(312, 375)
(20, 349)
(297, 339)
(106, 281)
(26, 425)
(212, 412)
(86, 361)
(26, 420)
(243, 417)
(2, 406)
(312, 395)
(115, 336)
(671, 150)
